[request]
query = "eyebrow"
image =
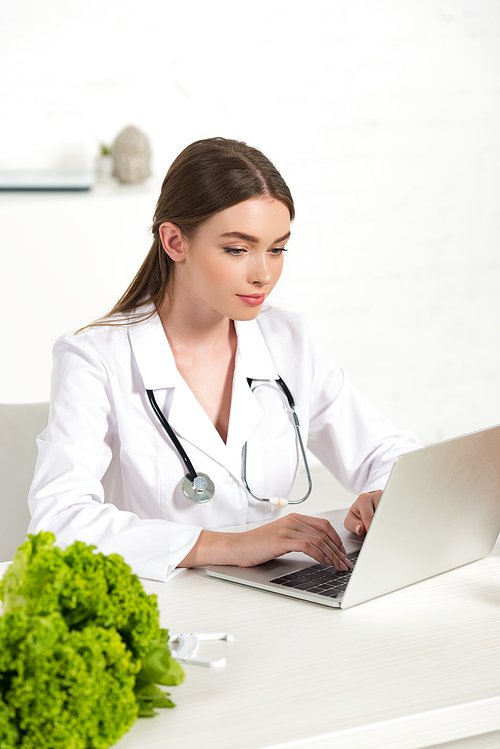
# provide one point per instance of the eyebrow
(251, 238)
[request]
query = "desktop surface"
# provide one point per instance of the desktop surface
(416, 668)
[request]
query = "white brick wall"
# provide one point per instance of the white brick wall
(383, 116)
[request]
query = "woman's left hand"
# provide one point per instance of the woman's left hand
(361, 513)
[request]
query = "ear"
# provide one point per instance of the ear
(173, 242)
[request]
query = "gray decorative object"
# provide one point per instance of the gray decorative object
(131, 155)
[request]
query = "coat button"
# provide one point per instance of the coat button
(229, 481)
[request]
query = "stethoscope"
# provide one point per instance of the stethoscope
(198, 487)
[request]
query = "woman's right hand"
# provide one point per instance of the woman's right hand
(313, 536)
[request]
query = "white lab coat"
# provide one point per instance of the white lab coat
(108, 474)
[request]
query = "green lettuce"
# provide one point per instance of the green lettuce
(81, 648)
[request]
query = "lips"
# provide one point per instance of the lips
(253, 300)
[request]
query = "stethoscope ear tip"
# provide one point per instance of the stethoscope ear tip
(278, 501)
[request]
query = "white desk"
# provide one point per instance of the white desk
(417, 668)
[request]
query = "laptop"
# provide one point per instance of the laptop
(439, 510)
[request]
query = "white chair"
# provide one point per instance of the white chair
(20, 425)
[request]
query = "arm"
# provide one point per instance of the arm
(353, 439)
(312, 536)
(341, 427)
(350, 437)
(357, 443)
(361, 512)
(81, 448)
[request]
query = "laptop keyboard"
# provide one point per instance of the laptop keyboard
(322, 579)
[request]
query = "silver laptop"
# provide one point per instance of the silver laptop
(439, 510)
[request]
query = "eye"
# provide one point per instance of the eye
(234, 251)
(278, 250)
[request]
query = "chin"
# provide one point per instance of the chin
(249, 314)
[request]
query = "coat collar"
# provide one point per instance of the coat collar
(158, 371)
(157, 365)
(152, 353)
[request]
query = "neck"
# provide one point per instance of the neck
(188, 327)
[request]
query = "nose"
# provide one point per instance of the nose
(259, 272)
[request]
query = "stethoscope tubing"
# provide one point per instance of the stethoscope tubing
(201, 496)
(191, 474)
(291, 403)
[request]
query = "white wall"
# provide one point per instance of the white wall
(383, 116)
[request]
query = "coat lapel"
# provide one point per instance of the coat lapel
(253, 360)
(153, 354)
(186, 417)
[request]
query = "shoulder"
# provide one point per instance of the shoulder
(289, 327)
(98, 345)
(94, 338)
(288, 342)
(296, 351)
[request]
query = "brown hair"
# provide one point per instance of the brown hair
(207, 177)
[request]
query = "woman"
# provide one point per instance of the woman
(188, 342)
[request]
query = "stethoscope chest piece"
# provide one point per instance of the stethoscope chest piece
(200, 490)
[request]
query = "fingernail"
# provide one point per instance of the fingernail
(349, 564)
(343, 567)
(358, 529)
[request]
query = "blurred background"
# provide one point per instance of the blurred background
(384, 118)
